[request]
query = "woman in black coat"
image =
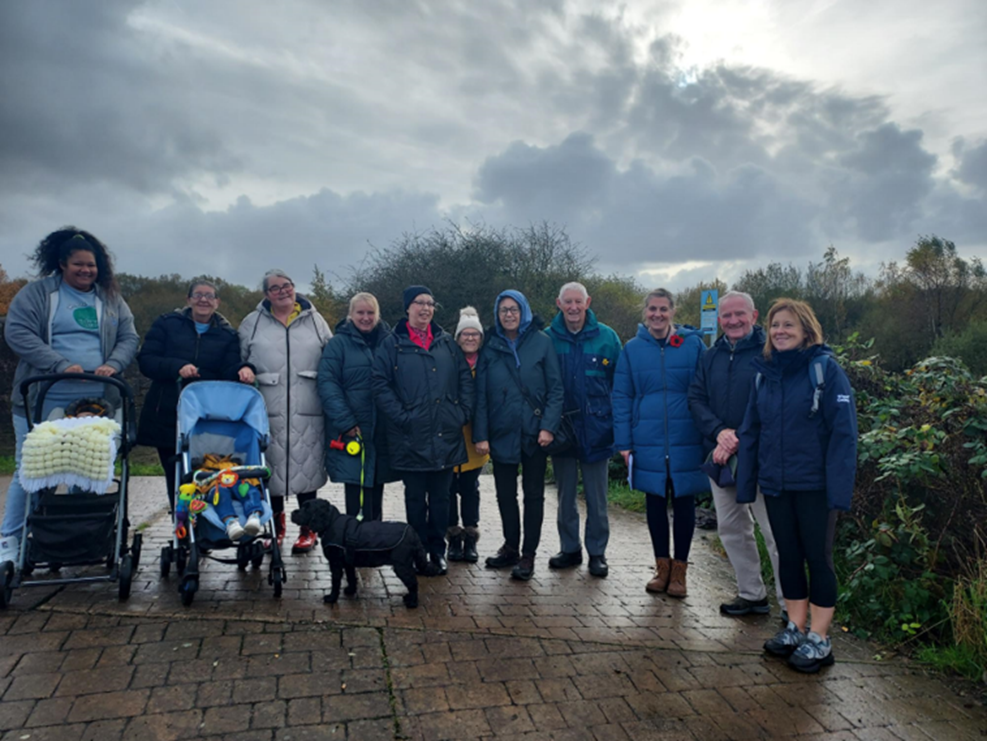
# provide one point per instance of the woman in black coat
(195, 343)
(347, 398)
(423, 387)
(515, 426)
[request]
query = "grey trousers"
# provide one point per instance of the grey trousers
(735, 525)
(595, 487)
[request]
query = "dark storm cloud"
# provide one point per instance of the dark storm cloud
(84, 103)
(971, 163)
(639, 214)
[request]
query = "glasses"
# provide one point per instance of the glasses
(206, 296)
(506, 310)
(283, 288)
(470, 335)
(425, 304)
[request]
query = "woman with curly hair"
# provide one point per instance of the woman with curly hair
(71, 320)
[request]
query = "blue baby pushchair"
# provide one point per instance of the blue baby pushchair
(227, 419)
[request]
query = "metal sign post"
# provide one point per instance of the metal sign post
(709, 309)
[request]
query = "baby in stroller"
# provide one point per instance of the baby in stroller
(219, 478)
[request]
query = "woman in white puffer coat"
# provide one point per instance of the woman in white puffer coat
(283, 339)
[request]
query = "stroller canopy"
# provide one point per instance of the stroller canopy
(222, 417)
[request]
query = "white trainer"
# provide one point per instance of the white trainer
(252, 527)
(233, 529)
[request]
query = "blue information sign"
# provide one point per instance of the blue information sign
(709, 310)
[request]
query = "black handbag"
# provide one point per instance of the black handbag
(565, 435)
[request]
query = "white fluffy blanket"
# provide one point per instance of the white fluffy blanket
(73, 451)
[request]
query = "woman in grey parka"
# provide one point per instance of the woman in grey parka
(283, 339)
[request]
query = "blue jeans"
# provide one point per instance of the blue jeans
(14, 510)
(251, 502)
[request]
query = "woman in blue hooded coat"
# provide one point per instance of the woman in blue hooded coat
(514, 426)
(655, 433)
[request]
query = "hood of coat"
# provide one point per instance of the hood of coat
(790, 361)
(559, 329)
(217, 319)
(265, 304)
(682, 330)
(500, 343)
(526, 315)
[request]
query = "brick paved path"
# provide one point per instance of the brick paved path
(564, 656)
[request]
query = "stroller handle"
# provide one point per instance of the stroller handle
(128, 408)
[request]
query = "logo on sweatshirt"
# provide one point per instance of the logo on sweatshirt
(843, 398)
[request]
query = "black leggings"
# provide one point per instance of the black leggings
(277, 502)
(168, 458)
(373, 501)
(683, 522)
(804, 526)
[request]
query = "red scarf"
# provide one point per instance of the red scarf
(420, 338)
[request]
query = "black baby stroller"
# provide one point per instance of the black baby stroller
(75, 448)
(219, 418)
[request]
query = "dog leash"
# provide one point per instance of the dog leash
(363, 463)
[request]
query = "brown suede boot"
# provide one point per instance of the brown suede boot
(676, 583)
(659, 582)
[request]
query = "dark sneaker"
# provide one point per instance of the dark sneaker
(598, 566)
(785, 641)
(525, 568)
(505, 557)
(813, 654)
(563, 560)
(740, 606)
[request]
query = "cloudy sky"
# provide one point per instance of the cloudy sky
(676, 141)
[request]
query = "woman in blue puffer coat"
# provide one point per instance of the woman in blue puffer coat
(798, 441)
(655, 433)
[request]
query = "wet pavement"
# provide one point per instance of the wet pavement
(564, 656)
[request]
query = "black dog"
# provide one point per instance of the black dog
(348, 543)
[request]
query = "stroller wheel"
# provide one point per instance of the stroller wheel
(181, 558)
(126, 575)
(166, 559)
(6, 581)
(188, 588)
(257, 557)
(135, 549)
(277, 584)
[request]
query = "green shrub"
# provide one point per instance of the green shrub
(969, 345)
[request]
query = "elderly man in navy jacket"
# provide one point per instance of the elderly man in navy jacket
(718, 399)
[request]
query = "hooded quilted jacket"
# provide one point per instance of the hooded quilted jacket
(783, 446)
(287, 361)
(651, 411)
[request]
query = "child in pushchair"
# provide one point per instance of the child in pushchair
(224, 479)
(222, 499)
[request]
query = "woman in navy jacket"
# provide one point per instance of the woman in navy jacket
(516, 426)
(346, 390)
(799, 442)
(655, 433)
(194, 343)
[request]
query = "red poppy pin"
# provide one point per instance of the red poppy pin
(675, 340)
